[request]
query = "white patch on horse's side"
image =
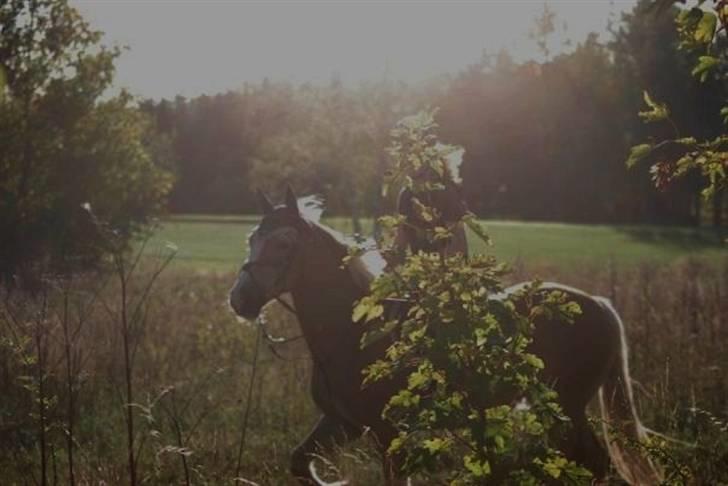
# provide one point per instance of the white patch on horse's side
(311, 207)
(374, 262)
(454, 161)
(365, 268)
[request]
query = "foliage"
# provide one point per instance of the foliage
(702, 460)
(336, 152)
(473, 405)
(558, 130)
(68, 151)
(321, 139)
(701, 33)
(193, 366)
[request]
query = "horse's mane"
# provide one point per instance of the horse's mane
(364, 267)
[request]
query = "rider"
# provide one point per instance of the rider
(449, 208)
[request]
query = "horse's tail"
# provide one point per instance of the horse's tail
(616, 400)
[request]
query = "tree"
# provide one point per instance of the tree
(68, 155)
(560, 130)
(337, 149)
(704, 152)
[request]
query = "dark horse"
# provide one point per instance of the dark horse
(290, 253)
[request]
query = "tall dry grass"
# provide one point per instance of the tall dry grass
(63, 384)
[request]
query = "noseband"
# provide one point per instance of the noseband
(248, 267)
(261, 320)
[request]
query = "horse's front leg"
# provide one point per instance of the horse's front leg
(328, 433)
(391, 470)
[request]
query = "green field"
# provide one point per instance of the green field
(219, 243)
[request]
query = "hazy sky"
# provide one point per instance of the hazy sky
(195, 47)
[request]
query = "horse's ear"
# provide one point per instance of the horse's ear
(265, 205)
(291, 201)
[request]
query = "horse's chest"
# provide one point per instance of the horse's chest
(338, 391)
(330, 391)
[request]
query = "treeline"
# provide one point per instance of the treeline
(542, 141)
(329, 140)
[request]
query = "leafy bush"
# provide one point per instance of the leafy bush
(473, 406)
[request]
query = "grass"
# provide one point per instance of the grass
(193, 368)
(219, 243)
(193, 360)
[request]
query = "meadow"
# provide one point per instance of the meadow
(219, 243)
(213, 404)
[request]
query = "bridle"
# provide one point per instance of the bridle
(261, 320)
(247, 267)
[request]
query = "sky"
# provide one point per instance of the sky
(205, 47)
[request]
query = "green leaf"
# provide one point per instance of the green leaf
(533, 360)
(500, 442)
(435, 445)
(404, 398)
(554, 467)
(637, 154)
(442, 233)
(689, 17)
(688, 141)
(657, 111)
(376, 311)
(476, 228)
(362, 309)
(704, 67)
(477, 468)
(705, 30)
(395, 445)
(417, 380)
(724, 114)
(481, 337)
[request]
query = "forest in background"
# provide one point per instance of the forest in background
(116, 367)
(543, 140)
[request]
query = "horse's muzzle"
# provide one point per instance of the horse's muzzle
(246, 299)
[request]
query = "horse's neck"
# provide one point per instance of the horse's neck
(324, 299)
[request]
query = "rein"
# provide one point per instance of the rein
(273, 341)
(261, 321)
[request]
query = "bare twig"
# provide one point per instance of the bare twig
(246, 413)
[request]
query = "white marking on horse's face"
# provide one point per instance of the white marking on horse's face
(264, 275)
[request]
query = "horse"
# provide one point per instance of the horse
(290, 253)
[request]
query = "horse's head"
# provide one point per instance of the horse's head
(274, 250)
